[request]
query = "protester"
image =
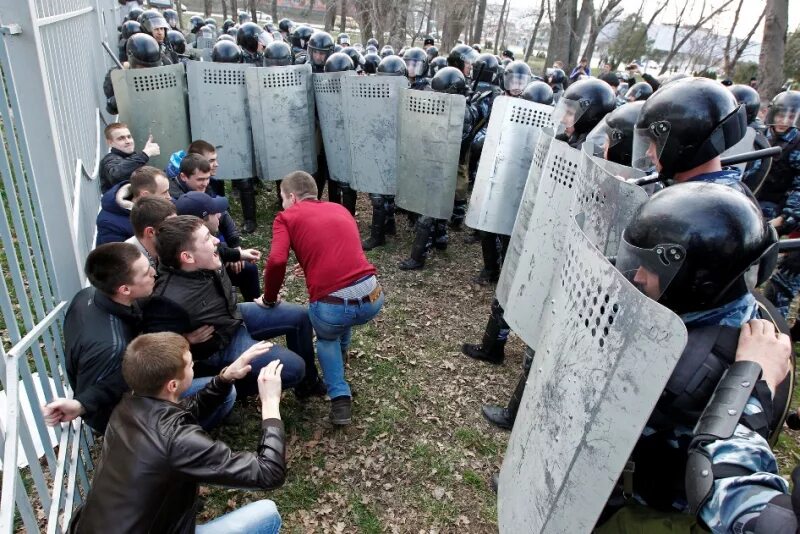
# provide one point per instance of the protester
(120, 162)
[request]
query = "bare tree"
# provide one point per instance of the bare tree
(505, 30)
(455, 13)
(399, 17)
(560, 46)
(690, 30)
(343, 15)
(252, 7)
(422, 10)
(734, 48)
(585, 16)
(274, 10)
(773, 48)
(608, 13)
(480, 15)
(179, 7)
(499, 26)
(532, 40)
(224, 10)
(207, 8)
(234, 9)
(431, 9)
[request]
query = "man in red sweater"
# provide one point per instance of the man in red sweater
(342, 285)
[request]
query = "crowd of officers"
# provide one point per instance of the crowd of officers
(720, 226)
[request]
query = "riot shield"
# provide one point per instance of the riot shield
(543, 242)
(428, 145)
(371, 106)
(605, 203)
(219, 114)
(745, 145)
(330, 110)
(604, 357)
(153, 102)
(204, 45)
(281, 103)
(512, 135)
(523, 216)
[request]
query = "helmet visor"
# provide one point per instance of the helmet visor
(650, 270)
(416, 67)
(783, 117)
(318, 56)
(566, 114)
(516, 82)
(648, 145)
(158, 22)
(602, 138)
(264, 38)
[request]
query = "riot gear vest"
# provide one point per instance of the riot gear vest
(781, 174)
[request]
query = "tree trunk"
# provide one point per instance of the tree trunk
(731, 56)
(585, 18)
(561, 33)
(235, 10)
(608, 13)
(253, 10)
(430, 16)
(500, 26)
(480, 15)
(773, 48)
(397, 33)
(505, 30)
(207, 8)
(675, 48)
(330, 15)
(343, 15)
(471, 27)
(179, 8)
(532, 41)
(224, 10)
(274, 10)
(455, 14)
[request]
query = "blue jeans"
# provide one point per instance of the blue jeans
(333, 324)
(216, 417)
(260, 517)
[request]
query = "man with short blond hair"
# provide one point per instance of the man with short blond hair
(122, 159)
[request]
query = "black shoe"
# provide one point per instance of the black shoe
(305, 391)
(498, 416)
(477, 352)
(372, 242)
(249, 226)
(341, 411)
(494, 482)
(485, 277)
(411, 265)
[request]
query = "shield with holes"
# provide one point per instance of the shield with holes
(281, 101)
(542, 243)
(598, 371)
(371, 106)
(427, 151)
(330, 111)
(218, 110)
(605, 202)
(512, 135)
(523, 216)
(153, 102)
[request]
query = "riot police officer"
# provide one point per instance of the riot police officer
(143, 51)
(580, 108)
(244, 17)
(556, 78)
(417, 67)
(462, 57)
(320, 47)
(277, 54)
(432, 52)
(343, 39)
(128, 28)
(225, 51)
(177, 41)
(436, 64)
(299, 40)
(154, 24)
(539, 92)
(756, 171)
(355, 56)
(252, 39)
(639, 91)
(371, 62)
(612, 138)
(285, 26)
(387, 51)
(171, 16)
(227, 24)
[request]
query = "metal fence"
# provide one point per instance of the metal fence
(51, 141)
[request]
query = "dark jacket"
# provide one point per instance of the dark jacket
(227, 227)
(96, 332)
(114, 220)
(183, 301)
(155, 456)
(116, 167)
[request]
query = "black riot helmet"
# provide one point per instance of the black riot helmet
(269, 27)
(556, 77)
(449, 80)
(539, 92)
(320, 47)
(392, 66)
(685, 124)
(250, 36)
(177, 41)
(151, 20)
(416, 62)
(516, 77)
(196, 22)
(432, 53)
(226, 52)
(583, 105)
(233, 31)
(343, 39)
(612, 138)
(476, 47)
(228, 24)
(244, 17)
(211, 22)
(372, 42)
(339, 62)
(387, 51)
(206, 32)
(509, 54)
(462, 57)
(747, 96)
(135, 13)
(171, 16)
(226, 37)
(784, 110)
(277, 54)
(696, 246)
(639, 91)
(371, 62)
(337, 48)
(428, 41)
(487, 69)
(129, 27)
(285, 25)
(354, 55)
(301, 35)
(143, 51)
(436, 65)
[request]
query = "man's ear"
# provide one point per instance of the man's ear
(172, 386)
(124, 290)
(186, 256)
(149, 231)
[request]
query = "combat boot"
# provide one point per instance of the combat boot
(247, 196)
(419, 248)
(440, 238)
(349, 197)
(390, 228)
(459, 214)
(493, 344)
(377, 237)
(334, 192)
(503, 417)
(486, 277)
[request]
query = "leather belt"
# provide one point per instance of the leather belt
(372, 297)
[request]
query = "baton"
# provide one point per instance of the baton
(730, 160)
(788, 245)
(110, 53)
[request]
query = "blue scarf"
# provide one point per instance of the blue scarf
(728, 176)
(734, 313)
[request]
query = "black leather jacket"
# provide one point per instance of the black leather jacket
(155, 456)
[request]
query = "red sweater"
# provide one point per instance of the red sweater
(325, 240)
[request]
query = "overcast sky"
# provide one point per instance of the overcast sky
(751, 9)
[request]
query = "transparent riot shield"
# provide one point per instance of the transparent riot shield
(153, 102)
(511, 138)
(219, 114)
(281, 103)
(429, 142)
(511, 259)
(372, 105)
(605, 355)
(330, 111)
